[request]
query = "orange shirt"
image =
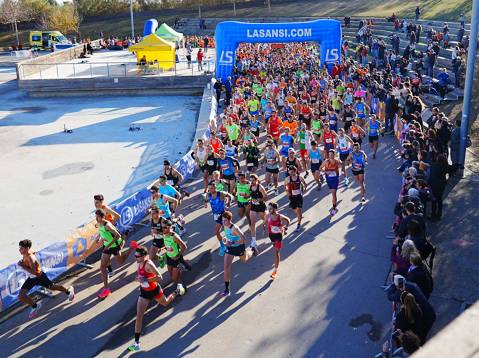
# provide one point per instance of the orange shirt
(293, 126)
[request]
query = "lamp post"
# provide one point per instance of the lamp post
(131, 20)
(471, 62)
(234, 7)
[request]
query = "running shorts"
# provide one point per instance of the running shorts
(235, 250)
(315, 167)
(296, 201)
(41, 280)
(154, 294)
(332, 182)
(272, 170)
(112, 251)
(284, 152)
(328, 146)
(276, 240)
(373, 138)
(357, 140)
(218, 218)
(229, 176)
(347, 125)
(343, 156)
(243, 204)
(254, 113)
(159, 243)
(357, 172)
(258, 208)
(303, 153)
(173, 262)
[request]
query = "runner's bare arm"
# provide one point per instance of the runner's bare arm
(170, 199)
(112, 212)
(152, 269)
(181, 243)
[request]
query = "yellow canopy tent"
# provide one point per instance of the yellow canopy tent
(156, 51)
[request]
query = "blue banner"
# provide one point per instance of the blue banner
(133, 209)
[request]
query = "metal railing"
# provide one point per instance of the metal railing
(87, 69)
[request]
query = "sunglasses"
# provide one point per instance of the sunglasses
(138, 256)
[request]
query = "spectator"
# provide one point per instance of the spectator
(420, 275)
(228, 90)
(418, 237)
(408, 341)
(443, 81)
(189, 51)
(409, 317)
(437, 180)
(400, 256)
(394, 292)
(455, 145)
(206, 42)
(460, 34)
(218, 87)
(199, 59)
(417, 12)
(410, 214)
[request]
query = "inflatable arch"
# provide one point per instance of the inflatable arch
(229, 34)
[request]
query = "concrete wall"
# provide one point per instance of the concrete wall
(120, 85)
(43, 62)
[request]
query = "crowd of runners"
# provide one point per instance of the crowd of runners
(286, 125)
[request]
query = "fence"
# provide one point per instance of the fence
(111, 69)
(62, 256)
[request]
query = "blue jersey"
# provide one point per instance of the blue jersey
(373, 128)
(227, 166)
(168, 190)
(358, 161)
(315, 156)
(361, 110)
(164, 207)
(217, 205)
(333, 122)
(286, 142)
(230, 237)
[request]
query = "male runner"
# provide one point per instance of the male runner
(219, 201)
(295, 186)
(344, 148)
(228, 167)
(149, 278)
(373, 128)
(242, 192)
(331, 168)
(258, 196)
(272, 158)
(36, 277)
(175, 247)
(359, 160)
(112, 245)
(277, 227)
(314, 156)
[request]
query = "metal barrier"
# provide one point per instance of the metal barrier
(85, 69)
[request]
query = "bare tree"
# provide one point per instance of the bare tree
(14, 11)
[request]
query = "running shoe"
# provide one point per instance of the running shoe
(180, 290)
(34, 311)
(306, 174)
(274, 274)
(104, 293)
(135, 347)
(71, 294)
(276, 192)
(225, 293)
(162, 261)
(346, 181)
(182, 219)
(133, 245)
(111, 273)
(363, 199)
(374, 156)
(298, 227)
(255, 250)
(333, 211)
(321, 179)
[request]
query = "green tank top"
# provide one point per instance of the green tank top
(243, 192)
(302, 140)
(108, 237)
(172, 248)
(220, 186)
(316, 126)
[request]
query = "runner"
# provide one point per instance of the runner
(333, 120)
(174, 178)
(272, 159)
(233, 130)
(157, 252)
(287, 142)
(359, 160)
(315, 160)
(242, 192)
(252, 156)
(277, 227)
(234, 242)
(258, 208)
(219, 201)
(316, 127)
(175, 247)
(215, 143)
(228, 167)
(292, 161)
(304, 139)
(328, 139)
(348, 117)
(149, 277)
(202, 156)
(168, 190)
(357, 133)
(344, 148)
(331, 168)
(274, 125)
(295, 187)
(36, 277)
(112, 245)
(162, 202)
(231, 150)
(374, 128)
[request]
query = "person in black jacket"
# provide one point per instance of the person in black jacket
(400, 285)
(409, 317)
(410, 214)
(419, 274)
(437, 181)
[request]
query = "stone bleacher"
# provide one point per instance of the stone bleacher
(382, 29)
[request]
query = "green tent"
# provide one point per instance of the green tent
(169, 34)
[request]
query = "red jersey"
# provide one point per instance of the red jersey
(143, 275)
(274, 225)
(328, 137)
(274, 126)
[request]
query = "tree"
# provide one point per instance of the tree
(14, 11)
(65, 19)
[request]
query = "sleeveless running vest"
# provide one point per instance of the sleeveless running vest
(172, 248)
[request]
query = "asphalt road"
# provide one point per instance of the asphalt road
(326, 302)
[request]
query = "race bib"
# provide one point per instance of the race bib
(216, 216)
(315, 161)
(295, 192)
(331, 174)
(250, 164)
(275, 230)
(144, 283)
(329, 140)
(169, 249)
(270, 161)
(254, 201)
(210, 162)
(170, 182)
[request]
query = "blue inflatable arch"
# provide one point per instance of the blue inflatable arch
(229, 34)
